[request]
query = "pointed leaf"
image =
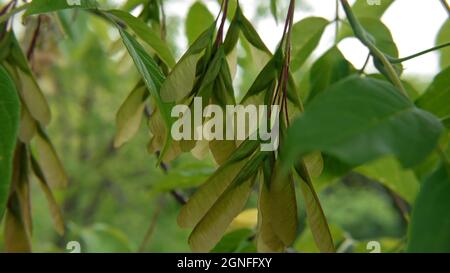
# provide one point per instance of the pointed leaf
(146, 34)
(198, 12)
(210, 229)
(358, 120)
(315, 215)
(306, 35)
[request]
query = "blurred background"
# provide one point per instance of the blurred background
(121, 201)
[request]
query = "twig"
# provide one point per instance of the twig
(361, 34)
(219, 38)
(152, 226)
(400, 60)
(6, 16)
(33, 43)
(365, 64)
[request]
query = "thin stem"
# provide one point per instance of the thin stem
(365, 64)
(8, 15)
(33, 43)
(151, 227)
(219, 39)
(361, 34)
(336, 23)
(400, 60)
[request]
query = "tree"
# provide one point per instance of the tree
(347, 121)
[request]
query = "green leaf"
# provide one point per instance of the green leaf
(388, 172)
(444, 37)
(102, 238)
(358, 120)
(430, 220)
(266, 77)
(146, 34)
(232, 36)
(9, 120)
(181, 80)
(250, 32)
(27, 85)
(282, 206)
(129, 116)
(327, 70)
(51, 165)
(361, 8)
(378, 32)
(55, 211)
(316, 217)
(210, 229)
(205, 196)
(437, 96)
(153, 79)
(44, 6)
(274, 9)
(234, 242)
(197, 13)
(306, 35)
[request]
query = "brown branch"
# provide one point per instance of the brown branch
(151, 227)
(33, 43)
(219, 38)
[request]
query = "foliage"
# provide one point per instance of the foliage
(337, 124)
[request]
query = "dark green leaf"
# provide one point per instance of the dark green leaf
(430, 220)
(437, 97)
(9, 120)
(306, 35)
(358, 120)
(362, 8)
(327, 70)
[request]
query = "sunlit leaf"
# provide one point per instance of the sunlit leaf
(389, 172)
(198, 12)
(444, 37)
(306, 35)
(362, 8)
